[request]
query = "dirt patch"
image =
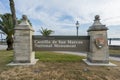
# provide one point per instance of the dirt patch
(61, 71)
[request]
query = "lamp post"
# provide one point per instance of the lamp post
(77, 26)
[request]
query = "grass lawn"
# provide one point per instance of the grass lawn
(56, 66)
(53, 57)
(115, 53)
(5, 58)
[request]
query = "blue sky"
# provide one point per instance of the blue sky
(61, 15)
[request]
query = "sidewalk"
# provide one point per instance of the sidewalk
(3, 47)
(85, 54)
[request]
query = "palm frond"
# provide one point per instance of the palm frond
(46, 32)
(6, 24)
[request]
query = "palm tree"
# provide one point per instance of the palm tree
(6, 26)
(46, 32)
(12, 8)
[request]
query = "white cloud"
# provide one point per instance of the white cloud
(52, 9)
(49, 12)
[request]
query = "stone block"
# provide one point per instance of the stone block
(98, 43)
(23, 44)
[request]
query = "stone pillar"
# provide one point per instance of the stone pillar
(23, 44)
(99, 52)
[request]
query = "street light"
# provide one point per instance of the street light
(77, 26)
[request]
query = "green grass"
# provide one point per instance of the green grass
(57, 57)
(55, 66)
(114, 51)
(5, 58)
(43, 56)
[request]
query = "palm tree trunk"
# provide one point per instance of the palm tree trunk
(12, 8)
(10, 43)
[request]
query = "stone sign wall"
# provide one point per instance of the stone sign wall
(23, 54)
(61, 43)
(95, 44)
(99, 52)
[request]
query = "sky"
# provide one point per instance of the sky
(61, 15)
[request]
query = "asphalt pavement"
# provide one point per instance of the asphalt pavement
(85, 54)
(3, 47)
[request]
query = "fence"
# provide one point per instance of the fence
(114, 41)
(3, 42)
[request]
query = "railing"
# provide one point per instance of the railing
(2, 41)
(113, 39)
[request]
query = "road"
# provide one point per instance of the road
(3, 47)
(85, 54)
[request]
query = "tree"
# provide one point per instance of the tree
(46, 32)
(6, 26)
(12, 8)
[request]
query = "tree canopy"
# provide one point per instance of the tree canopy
(7, 27)
(46, 32)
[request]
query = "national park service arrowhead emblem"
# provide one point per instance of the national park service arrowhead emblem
(100, 42)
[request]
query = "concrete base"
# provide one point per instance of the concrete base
(98, 64)
(22, 64)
